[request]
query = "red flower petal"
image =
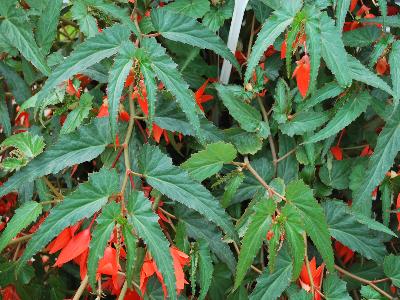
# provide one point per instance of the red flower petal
(302, 74)
(76, 246)
(397, 207)
(60, 241)
(337, 152)
(353, 5)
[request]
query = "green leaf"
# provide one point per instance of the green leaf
(86, 54)
(145, 222)
(23, 216)
(82, 145)
(327, 91)
(345, 228)
(47, 24)
(360, 73)
(186, 30)
(116, 79)
(245, 142)
(105, 223)
(342, 6)
(294, 229)
(390, 21)
(290, 39)
(20, 36)
(386, 198)
(304, 121)
(29, 145)
(391, 267)
(217, 15)
(288, 168)
(270, 30)
(379, 47)
(192, 8)
(87, 199)
(15, 83)
(383, 9)
(231, 188)
(313, 43)
(4, 116)
(395, 70)
(130, 243)
(206, 269)
(361, 37)
(247, 116)
(209, 161)
(176, 184)
(255, 234)
(336, 174)
(301, 198)
(355, 105)
(369, 293)
(166, 71)
(271, 285)
(151, 89)
(388, 145)
(78, 114)
(335, 288)
(333, 52)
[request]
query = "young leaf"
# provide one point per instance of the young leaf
(87, 199)
(186, 30)
(248, 117)
(87, 54)
(176, 184)
(21, 37)
(391, 267)
(300, 196)
(388, 145)
(145, 222)
(395, 69)
(100, 236)
(75, 117)
(346, 229)
(270, 30)
(208, 162)
(82, 145)
(118, 74)
(335, 288)
(355, 105)
(206, 269)
(166, 71)
(29, 145)
(253, 238)
(23, 216)
(333, 51)
(271, 285)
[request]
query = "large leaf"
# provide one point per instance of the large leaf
(361, 73)
(208, 162)
(361, 37)
(388, 145)
(47, 24)
(300, 196)
(145, 222)
(335, 288)
(82, 145)
(333, 51)
(116, 79)
(271, 285)
(23, 216)
(87, 199)
(100, 236)
(391, 267)
(176, 184)
(20, 36)
(355, 105)
(247, 116)
(342, 6)
(254, 237)
(345, 228)
(270, 30)
(166, 71)
(395, 68)
(186, 30)
(90, 52)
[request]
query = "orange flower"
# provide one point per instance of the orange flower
(382, 66)
(200, 97)
(316, 273)
(302, 74)
(149, 268)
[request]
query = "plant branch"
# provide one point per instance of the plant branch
(20, 239)
(81, 288)
(312, 286)
(52, 188)
(363, 280)
(286, 155)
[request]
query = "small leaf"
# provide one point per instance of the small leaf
(256, 232)
(29, 145)
(391, 267)
(87, 199)
(361, 37)
(208, 162)
(76, 117)
(206, 269)
(145, 222)
(100, 236)
(328, 91)
(304, 121)
(335, 288)
(245, 142)
(151, 89)
(395, 69)
(23, 216)
(176, 184)
(47, 24)
(130, 243)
